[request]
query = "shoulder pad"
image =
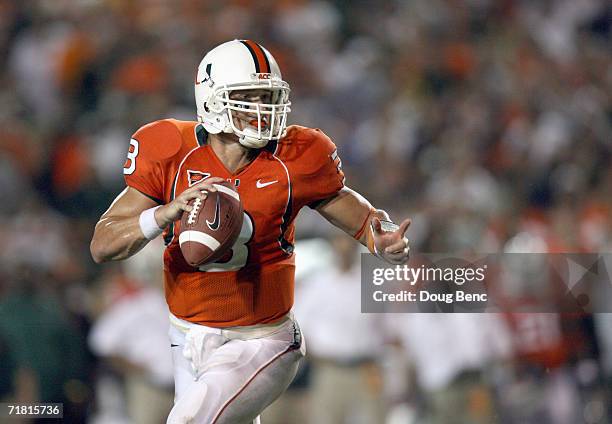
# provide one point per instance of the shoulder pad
(159, 140)
(303, 143)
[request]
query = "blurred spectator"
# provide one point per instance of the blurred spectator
(49, 364)
(452, 355)
(345, 346)
(130, 332)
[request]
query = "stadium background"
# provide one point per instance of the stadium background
(487, 122)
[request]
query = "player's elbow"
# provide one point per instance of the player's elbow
(98, 251)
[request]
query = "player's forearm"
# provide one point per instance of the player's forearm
(117, 238)
(352, 213)
(127, 226)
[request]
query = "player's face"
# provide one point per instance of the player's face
(248, 117)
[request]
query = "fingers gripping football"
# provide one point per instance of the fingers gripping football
(208, 232)
(391, 243)
(173, 211)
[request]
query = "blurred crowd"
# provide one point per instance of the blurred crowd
(488, 122)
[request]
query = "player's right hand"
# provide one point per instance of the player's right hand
(172, 211)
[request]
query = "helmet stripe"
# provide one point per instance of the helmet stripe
(262, 65)
(265, 69)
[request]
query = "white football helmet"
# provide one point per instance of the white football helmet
(241, 65)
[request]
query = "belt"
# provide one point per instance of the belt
(234, 333)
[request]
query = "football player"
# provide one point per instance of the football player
(235, 343)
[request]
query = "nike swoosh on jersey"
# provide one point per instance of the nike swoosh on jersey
(214, 226)
(259, 184)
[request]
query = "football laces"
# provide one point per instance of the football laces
(194, 212)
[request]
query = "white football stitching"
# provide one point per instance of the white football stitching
(192, 215)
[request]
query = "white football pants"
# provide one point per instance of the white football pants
(229, 376)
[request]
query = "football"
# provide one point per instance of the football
(212, 227)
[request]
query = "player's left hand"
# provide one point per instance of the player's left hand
(392, 246)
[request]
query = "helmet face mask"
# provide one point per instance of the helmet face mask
(232, 96)
(265, 120)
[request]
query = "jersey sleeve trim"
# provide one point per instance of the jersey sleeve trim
(155, 199)
(317, 203)
(285, 245)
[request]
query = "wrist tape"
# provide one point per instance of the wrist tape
(148, 224)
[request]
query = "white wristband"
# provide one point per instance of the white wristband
(148, 224)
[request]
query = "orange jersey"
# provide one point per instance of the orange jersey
(252, 284)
